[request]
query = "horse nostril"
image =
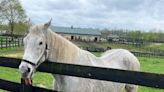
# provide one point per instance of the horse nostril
(28, 70)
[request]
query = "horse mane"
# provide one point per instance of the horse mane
(61, 49)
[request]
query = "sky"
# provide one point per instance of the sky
(112, 14)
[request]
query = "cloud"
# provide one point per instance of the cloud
(128, 14)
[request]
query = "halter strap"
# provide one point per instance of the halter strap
(24, 60)
(45, 53)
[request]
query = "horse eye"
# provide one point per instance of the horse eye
(40, 43)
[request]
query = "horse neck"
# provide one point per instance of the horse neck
(61, 50)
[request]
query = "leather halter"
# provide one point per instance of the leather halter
(33, 64)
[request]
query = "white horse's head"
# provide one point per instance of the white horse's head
(35, 49)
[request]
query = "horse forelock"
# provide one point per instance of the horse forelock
(36, 29)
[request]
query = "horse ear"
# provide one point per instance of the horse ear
(46, 25)
(29, 24)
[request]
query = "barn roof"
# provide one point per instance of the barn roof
(80, 31)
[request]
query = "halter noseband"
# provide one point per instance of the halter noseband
(33, 64)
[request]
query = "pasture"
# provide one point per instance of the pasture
(154, 65)
(157, 45)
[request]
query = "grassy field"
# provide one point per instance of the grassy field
(154, 65)
(158, 45)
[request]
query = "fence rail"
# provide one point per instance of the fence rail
(148, 54)
(107, 74)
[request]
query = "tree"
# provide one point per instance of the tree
(11, 12)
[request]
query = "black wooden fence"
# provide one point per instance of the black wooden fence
(107, 74)
(8, 42)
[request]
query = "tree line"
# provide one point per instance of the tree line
(135, 35)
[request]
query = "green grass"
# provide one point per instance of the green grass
(12, 52)
(155, 46)
(153, 65)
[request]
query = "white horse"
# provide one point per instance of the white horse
(41, 44)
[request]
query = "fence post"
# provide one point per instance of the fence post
(6, 43)
(1, 42)
(24, 87)
(14, 42)
(9, 40)
(18, 42)
(21, 41)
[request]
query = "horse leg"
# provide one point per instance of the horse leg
(55, 84)
(131, 88)
(58, 82)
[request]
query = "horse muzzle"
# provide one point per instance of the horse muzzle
(26, 74)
